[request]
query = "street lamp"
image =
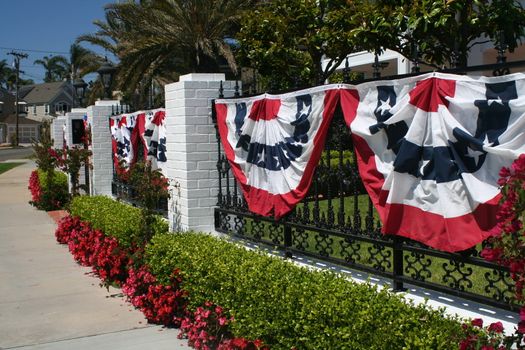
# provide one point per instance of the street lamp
(80, 89)
(106, 72)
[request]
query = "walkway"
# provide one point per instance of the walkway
(47, 301)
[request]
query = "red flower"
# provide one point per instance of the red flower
(496, 327)
(491, 254)
(477, 322)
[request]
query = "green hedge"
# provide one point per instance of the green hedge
(57, 193)
(288, 306)
(59, 178)
(115, 219)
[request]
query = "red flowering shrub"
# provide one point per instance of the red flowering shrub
(48, 191)
(488, 338)
(161, 304)
(109, 259)
(93, 248)
(53, 192)
(506, 246)
(81, 243)
(34, 188)
(207, 328)
(65, 227)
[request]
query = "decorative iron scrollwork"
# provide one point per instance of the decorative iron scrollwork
(457, 275)
(380, 257)
(350, 250)
(417, 265)
(300, 239)
(323, 244)
(499, 286)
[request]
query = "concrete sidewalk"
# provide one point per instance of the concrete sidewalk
(49, 302)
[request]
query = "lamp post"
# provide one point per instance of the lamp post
(106, 72)
(80, 89)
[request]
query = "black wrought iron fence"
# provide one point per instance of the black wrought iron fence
(337, 222)
(127, 193)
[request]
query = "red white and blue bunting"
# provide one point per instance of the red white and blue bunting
(429, 149)
(146, 128)
(274, 143)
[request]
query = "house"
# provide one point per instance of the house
(393, 63)
(28, 129)
(47, 100)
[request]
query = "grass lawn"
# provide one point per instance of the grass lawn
(7, 166)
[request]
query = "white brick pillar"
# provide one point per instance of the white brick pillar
(102, 172)
(192, 150)
(57, 129)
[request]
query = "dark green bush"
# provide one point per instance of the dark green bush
(288, 306)
(114, 218)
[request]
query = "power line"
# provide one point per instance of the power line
(31, 50)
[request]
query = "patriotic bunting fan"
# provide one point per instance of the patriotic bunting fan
(146, 128)
(273, 144)
(430, 149)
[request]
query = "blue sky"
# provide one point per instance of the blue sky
(46, 25)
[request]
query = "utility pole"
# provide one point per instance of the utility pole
(18, 56)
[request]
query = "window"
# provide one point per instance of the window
(46, 106)
(61, 107)
(34, 109)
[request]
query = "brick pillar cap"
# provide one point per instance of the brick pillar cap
(203, 77)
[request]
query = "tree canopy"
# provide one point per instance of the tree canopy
(160, 39)
(443, 31)
(287, 39)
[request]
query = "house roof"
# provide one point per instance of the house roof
(11, 119)
(24, 90)
(43, 93)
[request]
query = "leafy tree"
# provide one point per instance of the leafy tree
(287, 40)
(57, 68)
(443, 32)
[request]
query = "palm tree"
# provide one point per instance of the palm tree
(56, 68)
(82, 61)
(160, 39)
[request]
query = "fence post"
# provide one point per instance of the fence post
(102, 172)
(191, 150)
(397, 268)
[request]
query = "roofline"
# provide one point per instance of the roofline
(58, 92)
